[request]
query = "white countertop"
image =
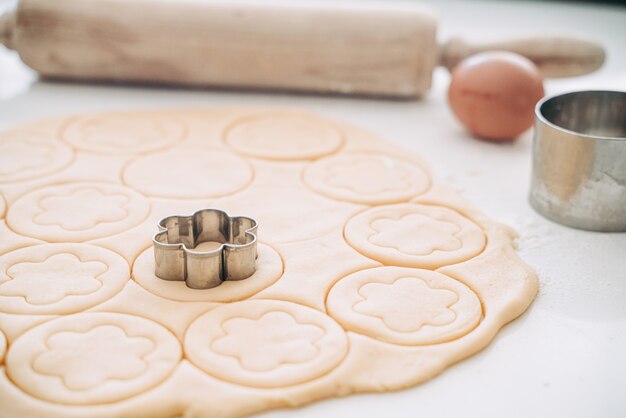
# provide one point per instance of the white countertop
(566, 356)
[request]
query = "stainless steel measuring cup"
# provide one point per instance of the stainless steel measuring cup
(579, 160)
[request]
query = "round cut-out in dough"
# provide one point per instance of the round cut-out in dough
(300, 215)
(77, 211)
(92, 358)
(3, 206)
(412, 235)
(404, 306)
(123, 133)
(59, 278)
(265, 343)
(25, 155)
(367, 178)
(188, 173)
(283, 136)
(269, 268)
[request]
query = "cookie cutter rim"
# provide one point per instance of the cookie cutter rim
(177, 260)
(579, 148)
(570, 95)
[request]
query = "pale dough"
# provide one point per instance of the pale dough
(25, 154)
(191, 172)
(429, 308)
(291, 343)
(370, 178)
(59, 278)
(123, 133)
(283, 137)
(77, 211)
(370, 277)
(413, 235)
(93, 358)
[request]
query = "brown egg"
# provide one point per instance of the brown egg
(494, 94)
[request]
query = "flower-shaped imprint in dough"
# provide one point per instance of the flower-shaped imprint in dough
(404, 306)
(413, 235)
(283, 136)
(269, 268)
(77, 211)
(26, 155)
(187, 173)
(113, 133)
(367, 178)
(265, 343)
(92, 358)
(59, 278)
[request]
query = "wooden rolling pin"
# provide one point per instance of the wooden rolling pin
(346, 47)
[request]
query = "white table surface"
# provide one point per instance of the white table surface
(566, 356)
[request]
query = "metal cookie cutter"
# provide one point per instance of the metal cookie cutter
(579, 160)
(234, 258)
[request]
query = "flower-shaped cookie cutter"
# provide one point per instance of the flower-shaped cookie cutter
(176, 258)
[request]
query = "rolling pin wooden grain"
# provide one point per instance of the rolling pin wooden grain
(378, 49)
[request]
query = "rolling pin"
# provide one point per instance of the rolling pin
(382, 49)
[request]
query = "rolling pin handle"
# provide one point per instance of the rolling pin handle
(556, 56)
(7, 28)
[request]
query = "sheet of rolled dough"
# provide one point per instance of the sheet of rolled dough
(370, 276)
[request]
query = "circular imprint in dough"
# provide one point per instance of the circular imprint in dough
(189, 173)
(77, 211)
(283, 136)
(92, 358)
(124, 133)
(26, 155)
(269, 267)
(265, 343)
(3, 206)
(367, 178)
(412, 235)
(59, 278)
(288, 213)
(404, 306)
